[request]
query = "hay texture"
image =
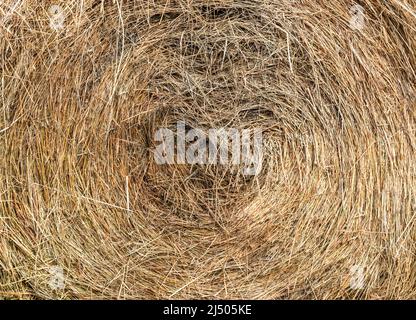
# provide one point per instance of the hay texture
(332, 214)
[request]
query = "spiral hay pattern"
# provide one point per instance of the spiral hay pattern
(80, 191)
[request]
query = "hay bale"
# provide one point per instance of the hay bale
(85, 210)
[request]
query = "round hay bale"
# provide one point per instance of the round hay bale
(86, 211)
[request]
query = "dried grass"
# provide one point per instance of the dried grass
(79, 187)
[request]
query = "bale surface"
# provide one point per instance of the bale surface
(80, 190)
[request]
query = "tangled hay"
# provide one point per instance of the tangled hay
(80, 190)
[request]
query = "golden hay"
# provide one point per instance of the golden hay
(80, 189)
